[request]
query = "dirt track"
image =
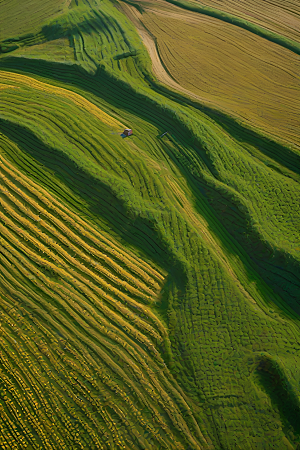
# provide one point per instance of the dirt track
(222, 66)
(158, 68)
(164, 77)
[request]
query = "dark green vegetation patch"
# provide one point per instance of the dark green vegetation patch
(150, 290)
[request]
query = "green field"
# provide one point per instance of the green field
(149, 286)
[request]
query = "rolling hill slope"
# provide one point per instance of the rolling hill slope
(149, 285)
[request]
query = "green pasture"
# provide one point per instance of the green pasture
(234, 334)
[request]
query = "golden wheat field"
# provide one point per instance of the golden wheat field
(280, 16)
(149, 281)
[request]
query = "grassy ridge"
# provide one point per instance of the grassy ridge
(104, 318)
(94, 34)
(188, 292)
(199, 372)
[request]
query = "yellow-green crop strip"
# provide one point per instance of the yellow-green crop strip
(149, 285)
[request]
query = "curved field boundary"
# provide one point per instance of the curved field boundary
(184, 94)
(157, 65)
(119, 341)
(60, 214)
(259, 86)
(179, 229)
(225, 17)
(218, 251)
(75, 98)
(107, 372)
(280, 16)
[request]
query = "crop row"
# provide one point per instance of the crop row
(54, 364)
(98, 239)
(63, 93)
(62, 255)
(49, 354)
(68, 243)
(213, 324)
(82, 229)
(242, 23)
(68, 295)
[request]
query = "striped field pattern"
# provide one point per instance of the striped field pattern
(57, 271)
(149, 285)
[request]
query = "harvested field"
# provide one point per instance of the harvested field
(279, 16)
(149, 285)
(228, 68)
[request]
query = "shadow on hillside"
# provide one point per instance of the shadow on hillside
(279, 271)
(111, 90)
(266, 146)
(60, 28)
(276, 385)
(72, 74)
(137, 231)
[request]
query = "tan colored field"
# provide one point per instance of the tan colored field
(226, 67)
(280, 16)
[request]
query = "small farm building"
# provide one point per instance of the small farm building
(127, 131)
